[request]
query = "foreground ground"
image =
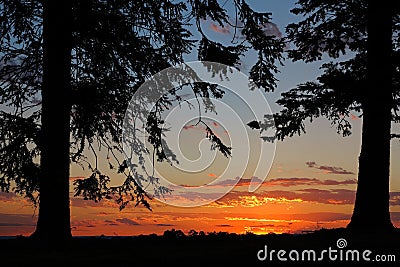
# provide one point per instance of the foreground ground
(212, 249)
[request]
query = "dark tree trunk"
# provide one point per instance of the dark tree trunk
(53, 226)
(371, 210)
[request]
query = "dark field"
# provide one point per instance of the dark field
(212, 249)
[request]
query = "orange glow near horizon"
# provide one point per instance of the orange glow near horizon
(259, 215)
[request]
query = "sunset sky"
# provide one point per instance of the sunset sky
(311, 184)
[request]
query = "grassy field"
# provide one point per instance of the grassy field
(212, 249)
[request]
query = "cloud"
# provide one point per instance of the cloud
(334, 196)
(223, 225)
(395, 215)
(127, 221)
(73, 178)
(165, 225)
(111, 223)
(354, 117)
(79, 202)
(16, 220)
(238, 181)
(187, 127)
(188, 197)
(14, 224)
(271, 29)
(250, 201)
(194, 127)
(246, 199)
(328, 169)
(321, 216)
(286, 182)
(8, 68)
(289, 218)
(264, 225)
(102, 214)
(311, 164)
(84, 223)
(15, 200)
(212, 175)
(223, 30)
(394, 198)
(7, 197)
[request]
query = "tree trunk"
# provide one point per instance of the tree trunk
(53, 226)
(371, 210)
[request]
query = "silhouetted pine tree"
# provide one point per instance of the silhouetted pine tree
(368, 84)
(68, 70)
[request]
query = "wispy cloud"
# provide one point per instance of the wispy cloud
(17, 219)
(223, 30)
(224, 225)
(296, 217)
(127, 221)
(80, 202)
(246, 199)
(238, 181)
(354, 117)
(286, 182)
(111, 223)
(328, 169)
(6, 197)
(165, 225)
(271, 29)
(85, 223)
(73, 178)
(395, 198)
(272, 197)
(187, 127)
